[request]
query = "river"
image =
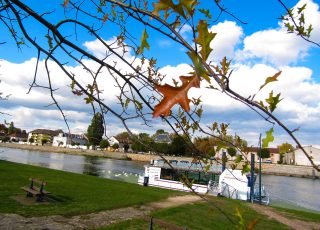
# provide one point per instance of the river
(284, 191)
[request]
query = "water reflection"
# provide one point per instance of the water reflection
(295, 191)
(108, 168)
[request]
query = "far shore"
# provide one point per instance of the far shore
(268, 169)
(83, 152)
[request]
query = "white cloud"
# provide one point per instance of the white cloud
(277, 46)
(227, 38)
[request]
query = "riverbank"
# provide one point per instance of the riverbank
(117, 205)
(268, 169)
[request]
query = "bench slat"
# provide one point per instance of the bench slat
(37, 181)
(38, 189)
(34, 192)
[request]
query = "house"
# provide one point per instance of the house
(67, 139)
(18, 137)
(297, 156)
(121, 142)
(163, 138)
(113, 140)
(274, 154)
(38, 135)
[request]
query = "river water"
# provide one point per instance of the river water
(284, 191)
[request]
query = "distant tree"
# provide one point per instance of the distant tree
(95, 129)
(5, 139)
(285, 148)
(17, 130)
(126, 147)
(115, 146)
(141, 141)
(232, 151)
(11, 128)
(178, 146)
(264, 153)
(31, 140)
(104, 144)
(123, 135)
(24, 131)
(162, 148)
(160, 131)
(44, 141)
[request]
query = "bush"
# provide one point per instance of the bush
(5, 139)
(104, 144)
(115, 146)
(264, 153)
(44, 141)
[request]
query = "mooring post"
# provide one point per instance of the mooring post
(252, 179)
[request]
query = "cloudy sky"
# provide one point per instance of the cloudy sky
(258, 49)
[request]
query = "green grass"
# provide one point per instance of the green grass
(75, 193)
(204, 216)
(299, 214)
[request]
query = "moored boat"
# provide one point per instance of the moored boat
(204, 180)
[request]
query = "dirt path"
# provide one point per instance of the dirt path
(89, 221)
(292, 223)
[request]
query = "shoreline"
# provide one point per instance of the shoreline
(267, 169)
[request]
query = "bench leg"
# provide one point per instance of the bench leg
(29, 194)
(39, 198)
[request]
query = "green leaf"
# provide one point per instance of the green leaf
(49, 41)
(198, 67)
(184, 8)
(126, 103)
(225, 64)
(144, 42)
(239, 158)
(88, 100)
(206, 12)
(270, 79)
(273, 101)
(300, 9)
(204, 39)
(269, 138)
(245, 168)
(138, 104)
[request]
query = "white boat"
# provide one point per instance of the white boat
(229, 183)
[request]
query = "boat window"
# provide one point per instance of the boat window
(166, 174)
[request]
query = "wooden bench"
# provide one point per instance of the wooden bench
(33, 190)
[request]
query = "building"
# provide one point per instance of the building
(113, 140)
(18, 137)
(121, 142)
(297, 156)
(38, 135)
(163, 138)
(274, 154)
(67, 139)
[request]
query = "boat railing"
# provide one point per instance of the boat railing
(229, 191)
(264, 195)
(213, 187)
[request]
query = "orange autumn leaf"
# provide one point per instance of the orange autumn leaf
(175, 95)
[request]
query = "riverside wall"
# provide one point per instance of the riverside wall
(271, 169)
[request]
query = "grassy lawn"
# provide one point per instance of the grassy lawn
(204, 216)
(75, 193)
(301, 215)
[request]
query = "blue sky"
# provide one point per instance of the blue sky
(258, 50)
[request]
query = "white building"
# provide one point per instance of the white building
(113, 140)
(297, 157)
(66, 139)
